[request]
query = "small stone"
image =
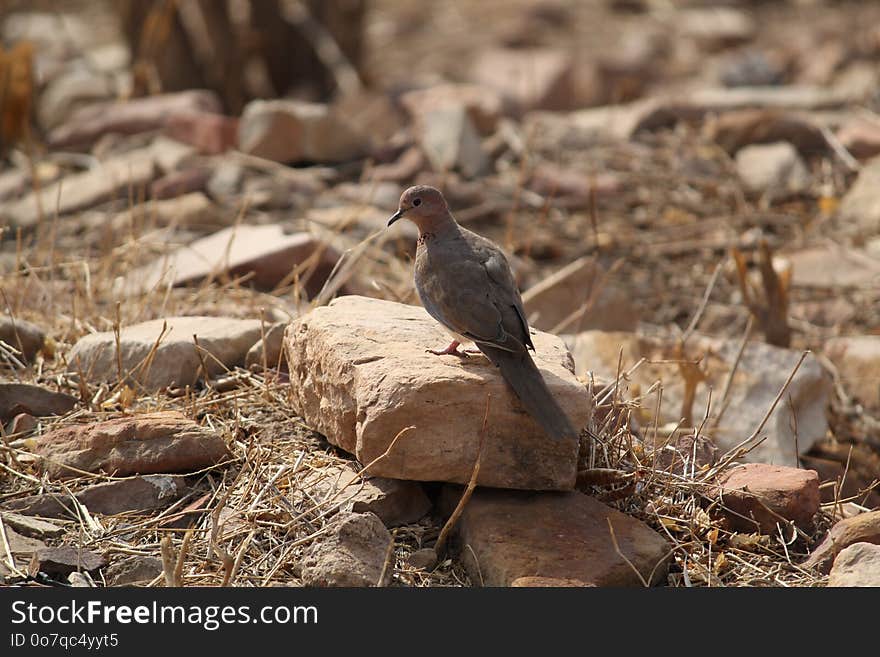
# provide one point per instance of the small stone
(552, 304)
(20, 545)
(86, 125)
(547, 582)
(268, 349)
(193, 210)
(863, 528)
(756, 496)
(33, 527)
(861, 204)
(17, 398)
(857, 359)
(451, 142)
(538, 78)
(861, 137)
(207, 132)
(23, 336)
(351, 553)
(158, 442)
(774, 168)
(360, 375)
(856, 565)
(21, 425)
(175, 361)
(293, 131)
(70, 90)
(177, 183)
(424, 559)
(132, 570)
(78, 580)
(734, 130)
(831, 266)
(265, 252)
(226, 181)
(394, 501)
(484, 105)
(561, 536)
(115, 176)
(65, 559)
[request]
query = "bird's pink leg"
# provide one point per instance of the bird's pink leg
(451, 350)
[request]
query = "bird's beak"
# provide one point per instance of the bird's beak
(397, 215)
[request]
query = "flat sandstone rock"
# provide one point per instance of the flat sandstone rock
(360, 375)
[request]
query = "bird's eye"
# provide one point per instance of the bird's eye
(417, 202)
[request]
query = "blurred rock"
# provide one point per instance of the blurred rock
(134, 569)
(147, 443)
(563, 536)
(751, 68)
(266, 253)
(293, 131)
(450, 142)
(761, 373)
(226, 181)
(18, 398)
(857, 359)
(63, 560)
(21, 424)
(863, 528)
(774, 169)
(405, 168)
(268, 349)
(174, 360)
(861, 204)
(169, 154)
(32, 527)
(69, 91)
(116, 176)
(360, 374)
(381, 195)
(715, 28)
(207, 132)
(861, 137)
(23, 336)
(141, 494)
(351, 553)
(530, 79)
(484, 105)
(831, 266)
(755, 497)
(182, 182)
(569, 187)
(394, 501)
(192, 210)
(739, 128)
(129, 117)
(857, 565)
(555, 301)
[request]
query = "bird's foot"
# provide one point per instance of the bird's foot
(451, 350)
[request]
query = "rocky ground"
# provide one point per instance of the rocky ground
(213, 361)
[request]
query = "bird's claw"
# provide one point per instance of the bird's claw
(451, 350)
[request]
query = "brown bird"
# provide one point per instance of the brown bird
(465, 283)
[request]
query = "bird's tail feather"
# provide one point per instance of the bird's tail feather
(521, 374)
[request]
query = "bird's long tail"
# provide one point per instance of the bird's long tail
(521, 374)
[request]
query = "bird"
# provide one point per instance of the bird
(465, 283)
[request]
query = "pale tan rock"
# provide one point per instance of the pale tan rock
(483, 104)
(773, 168)
(857, 359)
(112, 177)
(147, 443)
(269, 349)
(857, 565)
(265, 252)
(862, 528)
(557, 300)
(761, 373)
(451, 142)
(538, 78)
(292, 131)
(360, 375)
(33, 527)
(861, 204)
(831, 266)
(510, 535)
(176, 361)
(351, 553)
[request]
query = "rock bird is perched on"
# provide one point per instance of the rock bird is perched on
(465, 283)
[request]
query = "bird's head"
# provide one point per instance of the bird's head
(423, 205)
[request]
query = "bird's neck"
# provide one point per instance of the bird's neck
(430, 231)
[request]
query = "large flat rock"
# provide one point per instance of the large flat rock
(359, 374)
(509, 535)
